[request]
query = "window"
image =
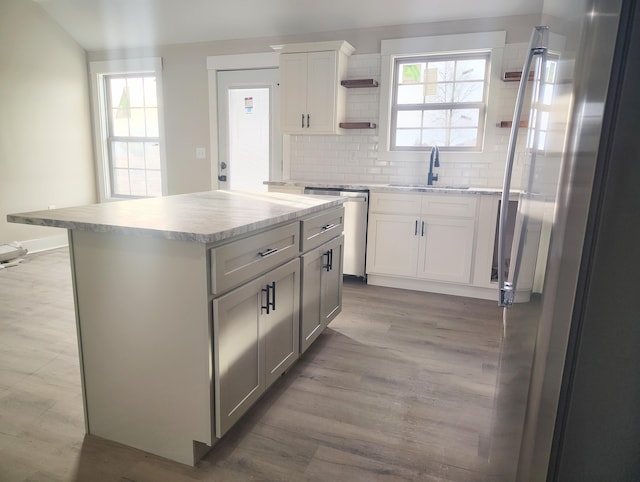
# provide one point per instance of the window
(133, 135)
(439, 90)
(128, 128)
(439, 100)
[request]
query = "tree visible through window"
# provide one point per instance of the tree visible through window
(439, 100)
(133, 136)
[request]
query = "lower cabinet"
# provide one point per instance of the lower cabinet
(427, 244)
(321, 294)
(256, 338)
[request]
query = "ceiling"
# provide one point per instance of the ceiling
(111, 24)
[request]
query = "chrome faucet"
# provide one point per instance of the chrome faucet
(434, 161)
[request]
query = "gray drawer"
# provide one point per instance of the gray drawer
(321, 228)
(240, 261)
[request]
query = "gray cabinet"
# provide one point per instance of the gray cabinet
(255, 333)
(321, 294)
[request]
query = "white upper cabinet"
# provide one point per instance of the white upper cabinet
(312, 101)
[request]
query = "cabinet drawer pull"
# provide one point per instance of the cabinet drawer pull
(422, 228)
(327, 227)
(267, 252)
(308, 121)
(415, 232)
(302, 121)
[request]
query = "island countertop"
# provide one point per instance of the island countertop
(204, 217)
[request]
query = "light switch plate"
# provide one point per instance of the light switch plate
(201, 153)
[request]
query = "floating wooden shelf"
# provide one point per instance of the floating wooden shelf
(359, 83)
(357, 125)
(523, 123)
(515, 76)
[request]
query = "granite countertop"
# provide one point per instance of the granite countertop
(390, 187)
(204, 217)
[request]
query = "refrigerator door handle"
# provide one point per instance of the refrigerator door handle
(537, 46)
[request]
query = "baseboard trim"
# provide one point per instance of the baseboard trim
(46, 244)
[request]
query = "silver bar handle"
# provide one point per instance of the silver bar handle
(537, 46)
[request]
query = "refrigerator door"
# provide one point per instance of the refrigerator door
(565, 125)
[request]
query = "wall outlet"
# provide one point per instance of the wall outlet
(51, 206)
(201, 153)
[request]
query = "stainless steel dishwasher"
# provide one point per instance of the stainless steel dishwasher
(356, 209)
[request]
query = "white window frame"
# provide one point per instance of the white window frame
(98, 71)
(492, 42)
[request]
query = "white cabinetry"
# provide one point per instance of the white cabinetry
(423, 236)
(312, 101)
(255, 330)
(321, 295)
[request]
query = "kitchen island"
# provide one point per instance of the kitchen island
(188, 307)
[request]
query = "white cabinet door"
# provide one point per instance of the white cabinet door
(311, 322)
(321, 296)
(253, 344)
(293, 92)
(308, 92)
(322, 86)
(446, 249)
(281, 324)
(392, 244)
(238, 353)
(331, 285)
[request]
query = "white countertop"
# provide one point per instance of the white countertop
(204, 217)
(390, 187)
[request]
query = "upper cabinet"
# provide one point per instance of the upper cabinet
(312, 101)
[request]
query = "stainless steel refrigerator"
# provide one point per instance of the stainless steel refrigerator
(567, 395)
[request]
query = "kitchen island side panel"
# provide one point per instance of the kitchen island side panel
(145, 335)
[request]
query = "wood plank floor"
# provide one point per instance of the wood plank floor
(400, 387)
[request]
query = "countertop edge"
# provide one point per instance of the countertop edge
(390, 188)
(47, 219)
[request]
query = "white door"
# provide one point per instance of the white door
(250, 143)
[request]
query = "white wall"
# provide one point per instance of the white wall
(186, 101)
(353, 157)
(45, 137)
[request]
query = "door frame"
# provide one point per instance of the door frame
(234, 62)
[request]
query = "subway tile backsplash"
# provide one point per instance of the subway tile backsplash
(353, 157)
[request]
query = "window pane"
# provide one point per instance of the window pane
(436, 118)
(463, 137)
(468, 92)
(136, 155)
(445, 70)
(411, 73)
(154, 183)
(136, 91)
(118, 89)
(471, 69)
(121, 182)
(119, 154)
(465, 117)
(152, 155)
(411, 94)
(412, 118)
(438, 93)
(407, 137)
(434, 137)
(136, 123)
(138, 182)
(151, 116)
(150, 96)
(120, 122)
